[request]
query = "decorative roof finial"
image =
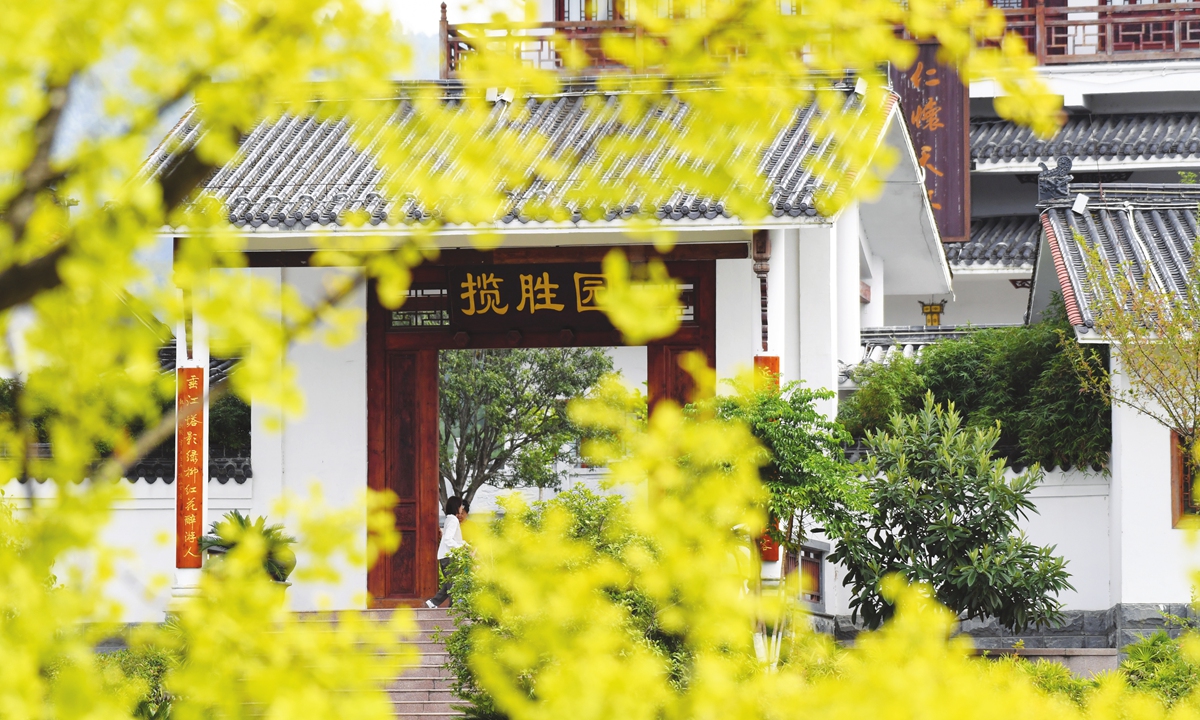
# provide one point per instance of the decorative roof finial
(443, 12)
(1055, 184)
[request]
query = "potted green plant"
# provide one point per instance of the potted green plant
(279, 560)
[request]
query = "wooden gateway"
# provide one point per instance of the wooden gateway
(785, 291)
(501, 299)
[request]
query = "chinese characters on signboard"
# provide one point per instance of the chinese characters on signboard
(501, 298)
(934, 103)
(189, 466)
(526, 296)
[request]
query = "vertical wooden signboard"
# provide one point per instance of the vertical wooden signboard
(767, 367)
(936, 108)
(189, 465)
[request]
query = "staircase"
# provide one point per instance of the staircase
(422, 691)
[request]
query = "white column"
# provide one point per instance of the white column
(817, 271)
(849, 307)
(872, 312)
(780, 310)
(738, 324)
(1150, 559)
(266, 432)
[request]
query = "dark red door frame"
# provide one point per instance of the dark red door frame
(402, 412)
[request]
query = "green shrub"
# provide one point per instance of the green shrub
(148, 667)
(884, 389)
(1019, 377)
(942, 512)
(1156, 664)
(143, 668)
(279, 560)
(1051, 677)
(597, 519)
(806, 474)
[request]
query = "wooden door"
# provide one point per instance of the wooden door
(404, 400)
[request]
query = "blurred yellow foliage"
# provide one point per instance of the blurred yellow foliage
(91, 286)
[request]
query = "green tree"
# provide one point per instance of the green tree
(1153, 334)
(601, 523)
(942, 512)
(884, 389)
(1023, 378)
(503, 415)
(805, 471)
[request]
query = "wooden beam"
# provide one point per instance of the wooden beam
(523, 256)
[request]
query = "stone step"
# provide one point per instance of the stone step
(443, 629)
(408, 682)
(437, 679)
(421, 622)
(422, 689)
(408, 707)
(374, 614)
(439, 694)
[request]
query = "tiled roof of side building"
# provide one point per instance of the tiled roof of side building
(298, 171)
(1089, 137)
(1008, 242)
(1151, 227)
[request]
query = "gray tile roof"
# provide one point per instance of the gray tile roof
(1008, 242)
(880, 344)
(218, 368)
(1090, 137)
(1152, 227)
(298, 171)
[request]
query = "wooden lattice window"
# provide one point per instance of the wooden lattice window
(808, 562)
(1184, 500)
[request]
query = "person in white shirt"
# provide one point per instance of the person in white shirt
(456, 512)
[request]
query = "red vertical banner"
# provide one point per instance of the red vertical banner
(766, 367)
(189, 466)
(936, 108)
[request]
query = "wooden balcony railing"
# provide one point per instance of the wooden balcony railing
(1054, 33)
(1106, 33)
(537, 45)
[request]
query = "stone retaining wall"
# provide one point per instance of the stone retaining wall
(1116, 627)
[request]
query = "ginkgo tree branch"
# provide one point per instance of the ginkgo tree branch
(21, 282)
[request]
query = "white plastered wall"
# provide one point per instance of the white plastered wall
(1072, 515)
(979, 299)
(326, 445)
(738, 321)
(817, 261)
(1150, 561)
(140, 538)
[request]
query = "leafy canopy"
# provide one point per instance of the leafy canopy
(805, 471)
(1023, 378)
(504, 414)
(1152, 334)
(943, 513)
